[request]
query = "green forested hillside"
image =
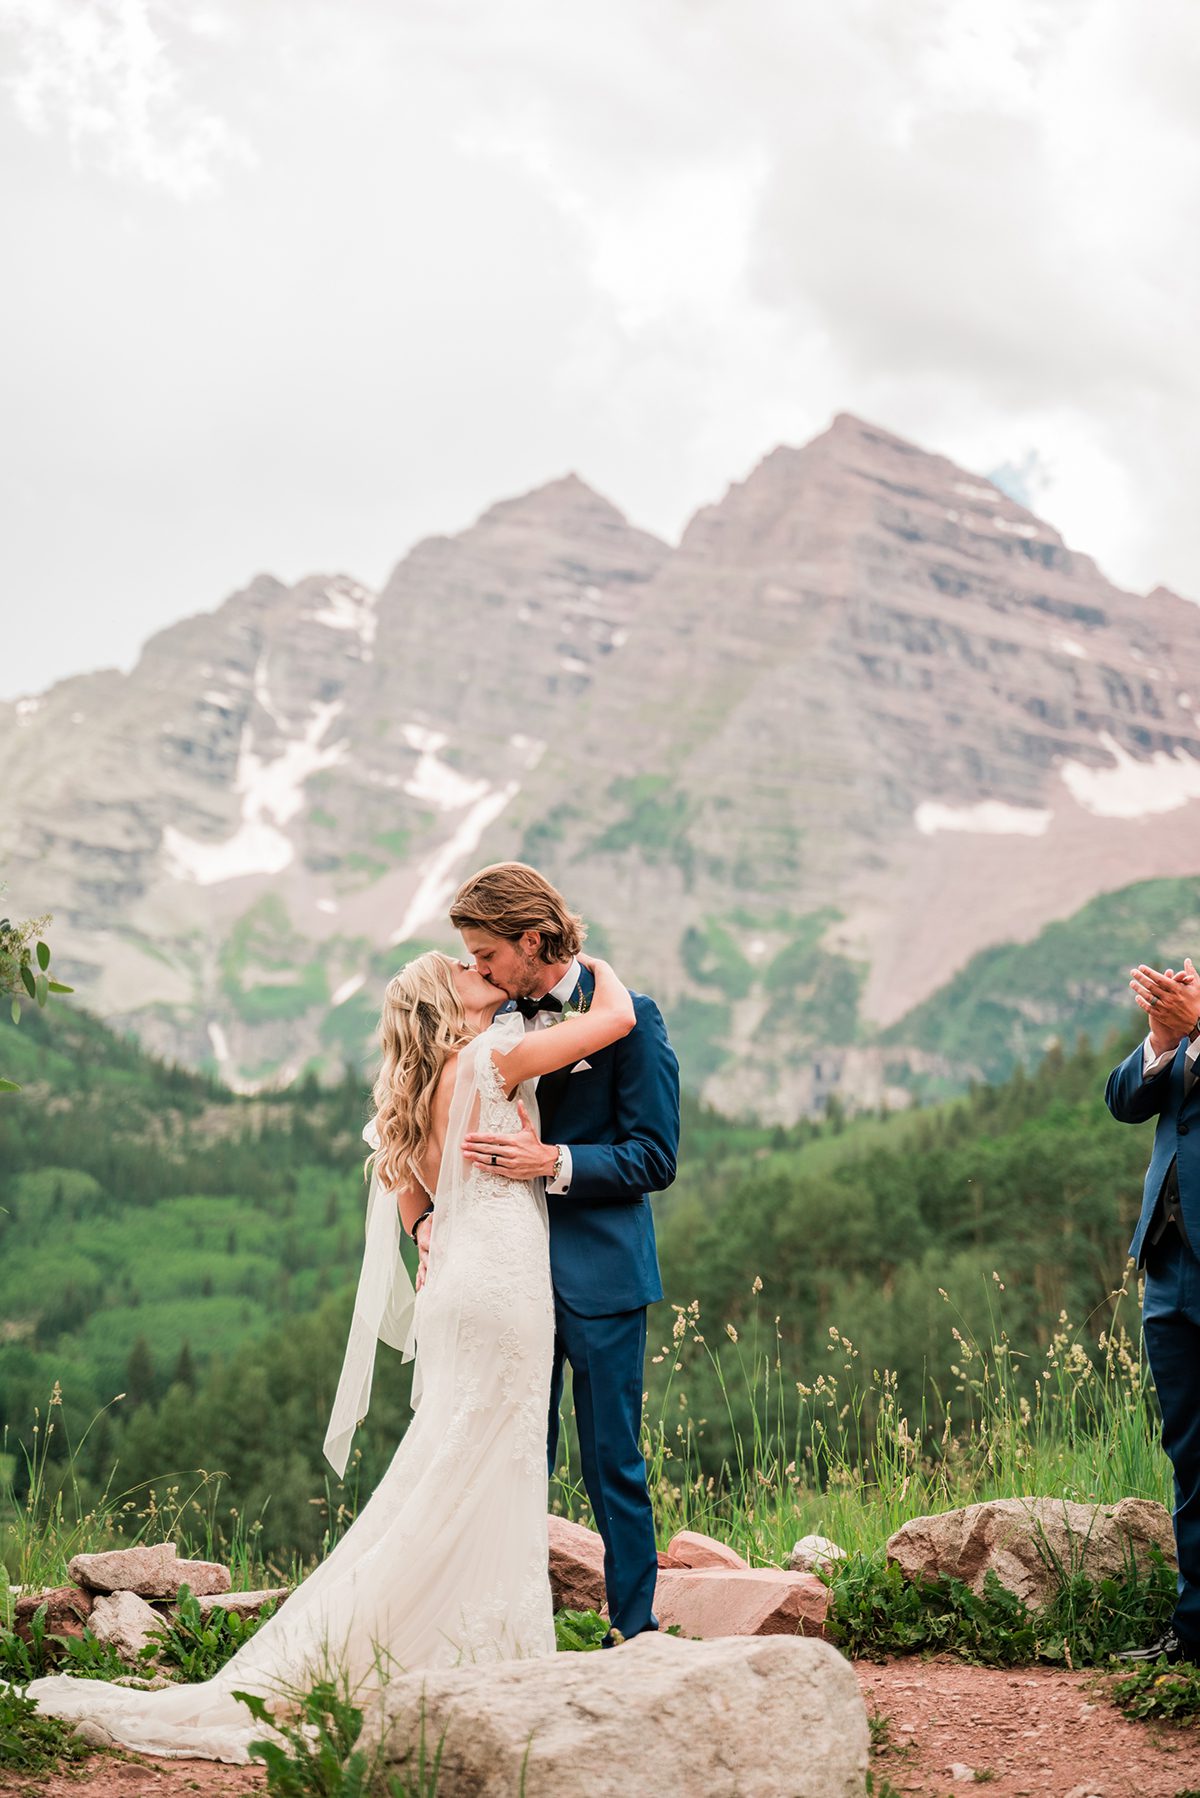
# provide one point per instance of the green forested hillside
(1011, 1001)
(196, 1253)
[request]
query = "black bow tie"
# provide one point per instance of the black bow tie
(529, 1008)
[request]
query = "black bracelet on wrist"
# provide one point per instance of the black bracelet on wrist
(428, 1212)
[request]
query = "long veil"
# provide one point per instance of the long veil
(385, 1307)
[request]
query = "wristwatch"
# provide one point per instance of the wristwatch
(428, 1212)
(556, 1170)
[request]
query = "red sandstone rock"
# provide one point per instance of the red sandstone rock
(688, 1548)
(149, 1570)
(576, 1566)
(748, 1601)
(243, 1604)
(202, 1578)
(67, 1610)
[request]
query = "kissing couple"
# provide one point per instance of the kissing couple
(526, 1108)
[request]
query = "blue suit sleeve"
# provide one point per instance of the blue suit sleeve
(1132, 1098)
(646, 1110)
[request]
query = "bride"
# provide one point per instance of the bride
(447, 1562)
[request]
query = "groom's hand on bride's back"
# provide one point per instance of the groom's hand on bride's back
(520, 1155)
(424, 1232)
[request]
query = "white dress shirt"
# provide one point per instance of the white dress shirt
(563, 990)
(1154, 1064)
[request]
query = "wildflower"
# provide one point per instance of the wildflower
(731, 1332)
(56, 1394)
(757, 1286)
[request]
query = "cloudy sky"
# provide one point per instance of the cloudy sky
(290, 285)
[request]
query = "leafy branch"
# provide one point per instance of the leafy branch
(25, 971)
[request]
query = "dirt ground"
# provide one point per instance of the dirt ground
(1025, 1733)
(1021, 1733)
(126, 1776)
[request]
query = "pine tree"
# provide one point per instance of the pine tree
(185, 1368)
(139, 1373)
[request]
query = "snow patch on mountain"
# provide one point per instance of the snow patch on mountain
(348, 607)
(990, 817)
(434, 782)
(272, 792)
(252, 849)
(438, 877)
(1131, 788)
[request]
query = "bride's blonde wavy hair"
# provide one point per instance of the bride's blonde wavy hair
(421, 1026)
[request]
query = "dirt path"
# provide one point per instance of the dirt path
(110, 1776)
(1024, 1733)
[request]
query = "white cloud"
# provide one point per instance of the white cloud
(485, 244)
(102, 74)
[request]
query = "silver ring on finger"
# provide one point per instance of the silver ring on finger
(1152, 1000)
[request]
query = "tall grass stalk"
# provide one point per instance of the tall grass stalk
(56, 1519)
(844, 1457)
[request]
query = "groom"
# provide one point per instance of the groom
(609, 1138)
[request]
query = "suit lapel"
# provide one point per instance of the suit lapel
(1188, 1083)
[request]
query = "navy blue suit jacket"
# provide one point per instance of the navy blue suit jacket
(620, 1119)
(1133, 1099)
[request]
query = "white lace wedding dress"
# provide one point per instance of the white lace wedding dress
(447, 1563)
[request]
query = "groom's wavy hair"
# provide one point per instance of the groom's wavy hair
(422, 1024)
(509, 899)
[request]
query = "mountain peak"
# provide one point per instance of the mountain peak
(565, 503)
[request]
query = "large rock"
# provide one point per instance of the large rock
(688, 1548)
(150, 1570)
(126, 1621)
(67, 1611)
(745, 1601)
(734, 1719)
(576, 1566)
(1025, 1541)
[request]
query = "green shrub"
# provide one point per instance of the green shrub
(579, 1632)
(1159, 1691)
(318, 1757)
(192, 1647)
(876, 1612)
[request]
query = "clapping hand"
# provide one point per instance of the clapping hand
(1171, 1001)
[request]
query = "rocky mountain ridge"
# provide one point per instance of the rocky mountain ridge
(869, 718)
